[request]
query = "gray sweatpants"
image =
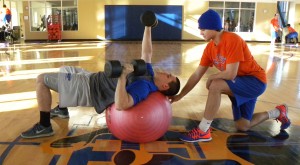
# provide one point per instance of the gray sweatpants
(72, 84)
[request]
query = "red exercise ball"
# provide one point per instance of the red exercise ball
(145, 122)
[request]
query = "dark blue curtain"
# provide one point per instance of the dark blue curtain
(122, 22)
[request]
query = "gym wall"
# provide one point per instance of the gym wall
(92, 23)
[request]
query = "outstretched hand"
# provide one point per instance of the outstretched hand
(175, 98)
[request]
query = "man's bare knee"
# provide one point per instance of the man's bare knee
(40, 79)
(242, 125)
(215, 85)
(242, 128)
(219, 86)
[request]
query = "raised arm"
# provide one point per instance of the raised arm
(147, 45)
(123, 100)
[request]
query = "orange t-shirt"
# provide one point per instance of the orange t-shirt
(275, 24)
(291, 30)
(231, 49)
(7, 11)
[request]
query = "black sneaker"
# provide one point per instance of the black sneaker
(38, 131)
(59, 112)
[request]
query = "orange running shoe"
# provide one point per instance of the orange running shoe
(283, 117)
(196, 135)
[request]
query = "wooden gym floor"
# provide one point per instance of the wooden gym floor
(85, 139)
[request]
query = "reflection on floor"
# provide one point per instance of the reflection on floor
(85, 139)
(228, 147)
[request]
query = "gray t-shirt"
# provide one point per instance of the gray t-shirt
(102, 88)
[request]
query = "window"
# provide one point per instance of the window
(236, 16)
(44, 12)
(69, 15)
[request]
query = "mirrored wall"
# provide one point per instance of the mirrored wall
(236, 16)
(47, 12)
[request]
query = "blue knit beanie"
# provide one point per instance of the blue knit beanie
(210, 20)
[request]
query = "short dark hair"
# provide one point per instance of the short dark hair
(174, 87)
(4, 6)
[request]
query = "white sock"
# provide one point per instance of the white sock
(273, 114)
(204, 124)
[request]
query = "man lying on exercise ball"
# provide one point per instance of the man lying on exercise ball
(77, 87)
